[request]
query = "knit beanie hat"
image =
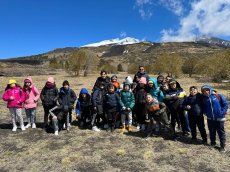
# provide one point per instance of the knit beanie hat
(143, 80)
(50, 79)
(129, 80)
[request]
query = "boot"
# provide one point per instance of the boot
(123, 129)
(129, 128)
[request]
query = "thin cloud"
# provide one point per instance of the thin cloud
(206, 17)
(123, 34)
(176, 6)
(144, 8)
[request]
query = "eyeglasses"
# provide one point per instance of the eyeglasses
(141, 69)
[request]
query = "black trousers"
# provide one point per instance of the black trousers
(111, 118)
(217, 126)
(140, 113)
(198, 121)
(46, 114)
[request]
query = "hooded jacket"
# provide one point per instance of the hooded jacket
(83, 105)
(214, 108)
(156, 93)
(31, 95)
(105, 81)
(111, 102)
(17, 93)
(127, 98)
(67, 97)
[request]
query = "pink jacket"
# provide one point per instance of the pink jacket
(17, 93)
(32, 96)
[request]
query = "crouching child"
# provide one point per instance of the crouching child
(156, 113)
(83, 108)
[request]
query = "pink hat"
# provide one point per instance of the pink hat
(50, 79)
(143, 80)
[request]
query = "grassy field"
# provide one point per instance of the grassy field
(85, 150)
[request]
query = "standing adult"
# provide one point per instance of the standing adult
(139, 74)
(104, 79)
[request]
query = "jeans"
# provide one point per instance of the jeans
(31, 115)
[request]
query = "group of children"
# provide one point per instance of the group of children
(147, 103)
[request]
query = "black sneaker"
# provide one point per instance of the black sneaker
(222, 150)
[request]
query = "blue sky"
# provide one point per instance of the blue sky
(30, 27)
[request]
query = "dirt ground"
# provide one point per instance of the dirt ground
(85, 150)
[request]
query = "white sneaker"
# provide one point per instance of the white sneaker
(64, 127)
(69, 124)
(56, 133)
(106, 126)
(28, 125)
(14, 128)
(95, 128)
(33, 125)
(23, 128)
(143, 127)
(138, 127)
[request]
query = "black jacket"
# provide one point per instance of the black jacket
(140, 95)
(112, 102)
(49, 96)
(67, 97)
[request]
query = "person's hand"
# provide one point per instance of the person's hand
(188, 107)
(123, 108)
(128, 109)
(11, 97)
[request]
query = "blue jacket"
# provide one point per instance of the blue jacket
(214, 108)
(196, 104)
(156, 93)
(112, 102)
(83, 105)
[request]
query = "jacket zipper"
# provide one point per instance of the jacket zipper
(211, 108)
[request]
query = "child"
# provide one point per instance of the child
(175, 97)
(57, 118)
(140, 101)
(32, 95)
(160, 80)
(83, 107)
(98, 107)
(215, 108)
(115, 82)
(67, 97)
(193, 104)
(154, 90)
(156, 112)
(49, 97)
(14, 96)
(111, 102)
(127, 102)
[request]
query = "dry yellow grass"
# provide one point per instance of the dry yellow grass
(85, 150)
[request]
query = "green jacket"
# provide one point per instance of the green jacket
(127, 99)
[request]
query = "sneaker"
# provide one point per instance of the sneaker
(138, 127)
(123, 129)
(81, 124)
(222, 150)
(69, 124)
(28, 125)
(56, 133)
(14, 128)
(94, 128)
(33, 125)
(106, 126)
(64, 127)
(23, 128)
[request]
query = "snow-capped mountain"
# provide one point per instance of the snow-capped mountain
(116, 41)
(213, 41)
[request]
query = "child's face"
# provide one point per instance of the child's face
(160, 79)
(83, 95)
(126, 88)
(193, 91)
(66, 87)
(173, 85)
(149, 98)
(151, 85)
(165, 87)
(206, 91)
(114, 79)
(12, 85)
(27, 84)
(111, 89)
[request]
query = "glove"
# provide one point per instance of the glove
(128, 109)
(123, 108)
(161, 111)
